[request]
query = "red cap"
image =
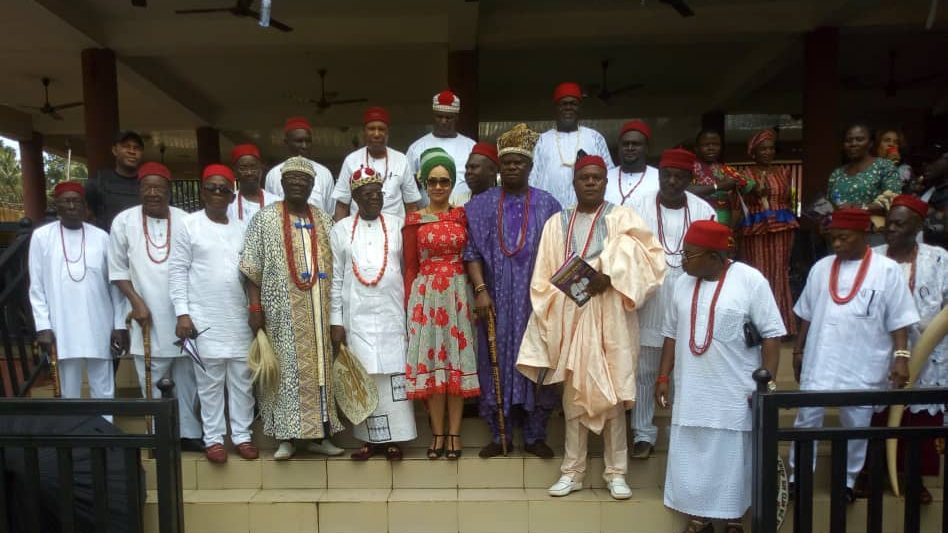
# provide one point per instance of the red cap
(487, 150)
(588, 160)
(297, 123)
(636, 125)
(373, 114)
(567, 89)
(69, 186)
(243, 149)
(677, 158)
(912, 202)
(709, 234)
(152, 168)
(850, 218)
(218, 170)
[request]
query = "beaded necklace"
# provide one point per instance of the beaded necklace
(149, 244)
(522, 235)
(240, 204)
(857, 283)
(82, 254)
(592, 229)
(709, 332)
(308, 280)
(367, 165)
(355, 267)
(556, 139)
(636, 186)
(661, 231)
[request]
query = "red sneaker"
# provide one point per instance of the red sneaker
(216, 453)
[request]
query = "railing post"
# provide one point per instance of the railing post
(764, 457)
(168, 463)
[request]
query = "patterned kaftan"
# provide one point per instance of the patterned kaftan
(297, 323)
(441, 354)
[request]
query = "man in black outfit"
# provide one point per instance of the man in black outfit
(112, 191)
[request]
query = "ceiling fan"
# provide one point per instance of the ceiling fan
(327, 100)
(892, 85)
(241, 9)
(603, 92)
(48, 109)
(680, 6)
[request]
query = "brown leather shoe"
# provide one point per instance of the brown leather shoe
(364, 453)
(216, 453)
(246, 450)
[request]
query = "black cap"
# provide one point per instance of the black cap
(125, 135)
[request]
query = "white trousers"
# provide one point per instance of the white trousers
(101, 377)
(181, 371)
(642, 414)
(233, 375)
(849, 417)
(614, 441)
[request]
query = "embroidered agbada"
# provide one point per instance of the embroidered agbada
(508, 278)
(398, 189)
(572, 341)
(458, 147)
(320, 196)
(242, 209)
(554, 156)
(297, 323)
(374, 319)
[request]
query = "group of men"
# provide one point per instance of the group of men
(315, 263)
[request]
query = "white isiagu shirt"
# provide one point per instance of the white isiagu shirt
(399, 187)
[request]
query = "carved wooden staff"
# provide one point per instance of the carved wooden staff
(495, 373)
(54, 370)
(146, 344)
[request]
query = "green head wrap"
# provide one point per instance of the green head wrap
(435, 157)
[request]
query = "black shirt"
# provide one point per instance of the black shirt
(109, 193)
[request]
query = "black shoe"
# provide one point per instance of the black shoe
(642, 450)
(540, 449)
(850, 496)
(192, 445)
(492, 450)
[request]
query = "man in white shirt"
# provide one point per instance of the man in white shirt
(74, 307)
(251, 197)
(446, 106)
(139, 248)
(211, 306)
(298, 138)
(668, 212)
(555, 154)
(633, 178)
(368, 312)
(399, 187)
(855, 314)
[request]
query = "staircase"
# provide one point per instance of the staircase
(472, 495)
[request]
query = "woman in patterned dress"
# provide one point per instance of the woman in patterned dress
(770, 224)
(441, 366)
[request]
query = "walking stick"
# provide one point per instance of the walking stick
(53, 357)
(146, 343)
(495, 372)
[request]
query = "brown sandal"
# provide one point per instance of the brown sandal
(393, 452)
(364, 453)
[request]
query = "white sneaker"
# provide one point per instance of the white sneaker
(285, 451)
(564, 486)
(619, 489)
(326, 447)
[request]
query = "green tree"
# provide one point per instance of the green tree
(55, 167)
(11, 176)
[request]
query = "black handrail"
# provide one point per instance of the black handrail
(17, 331)
(119, 450)
(768, 434)
(186, 195)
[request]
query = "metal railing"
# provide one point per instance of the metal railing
(768, 433)
(51, 465)
(186, 195)
(21, 365)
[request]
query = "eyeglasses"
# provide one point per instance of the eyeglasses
(218, 189)
(439, 182)
(691, 256)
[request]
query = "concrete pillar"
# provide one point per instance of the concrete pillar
(34, 177)
(208, 146)
(100, 94)
(821, 141)
(462, 78)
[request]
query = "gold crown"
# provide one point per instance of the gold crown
(519, 140)
(364, 176)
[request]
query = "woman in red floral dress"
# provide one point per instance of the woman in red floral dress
(441, 366)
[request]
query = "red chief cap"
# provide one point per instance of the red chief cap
(850, 218)
(487, 150)
(677, 158)
(243, 149)
(636, 125)
(152, 168)
(69, 186)
(218, 170)
(709, 234)
(912, 202)
(297, 123)
(373, 114)
(565, 89)
(588, 160)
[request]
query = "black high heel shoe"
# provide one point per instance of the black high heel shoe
(453, 453)
(436, 453)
